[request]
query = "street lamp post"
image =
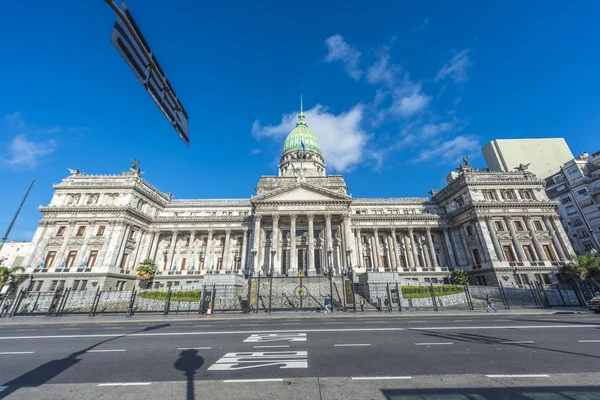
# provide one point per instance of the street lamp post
(350, 273)
(250, 273)
(516, 277)
(330, 275)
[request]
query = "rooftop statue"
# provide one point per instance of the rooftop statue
(75, 172)
(522, 167)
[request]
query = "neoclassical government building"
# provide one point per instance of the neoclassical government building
(497, 226)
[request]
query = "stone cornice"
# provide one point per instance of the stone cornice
(95, 210)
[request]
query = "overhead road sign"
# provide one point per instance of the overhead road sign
(130, 43)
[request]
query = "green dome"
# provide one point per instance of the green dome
(301, 134)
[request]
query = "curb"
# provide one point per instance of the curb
(133, 320)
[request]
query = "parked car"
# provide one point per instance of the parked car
(594, 304)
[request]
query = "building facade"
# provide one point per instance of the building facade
(13, 253)
(577, 189)
(498, 226)
(544, 156)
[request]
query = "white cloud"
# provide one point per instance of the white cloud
(409, 100)
(383, 71)
(254, 152)
(23, 153)
(341, 137)
(456, 68)
(339, 50)
(450, 150)
(26, 145)
(431, 130)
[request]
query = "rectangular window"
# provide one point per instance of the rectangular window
(525, 278)
(584, 233)
(538, 225)
(75, 285)
(489, 195)
(124, 261)
(469, 230)
(131, 234)
(546, 278)
(38, 287)
(183, 264)
(529, 254)
(519, 226)
(239, 241)
(499, 225)
(53, 285)
(61, 230)
(571, 210)
(561, 188)
(508, 195)
(549, 251)
(71, 258)
(81, 231)
(476, 256)
(576, 222)
(508, 253)
(565, 199)
(49, 259)
(100, 231)
(219, 263)
(573, 171)
(83, 285)
(92, 258)
(581, 192)
(526, 194)
(588, 246)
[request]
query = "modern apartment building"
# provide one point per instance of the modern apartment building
(577, 187)
(545, 156)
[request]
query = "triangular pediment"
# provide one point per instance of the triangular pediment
(301, 192)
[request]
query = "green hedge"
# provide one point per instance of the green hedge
(191, 295)
(421, 292)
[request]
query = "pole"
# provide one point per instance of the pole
(16, 215)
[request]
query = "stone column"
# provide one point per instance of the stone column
(108, 234)
(481, 243)
(311, 245)
(425, 252)
(123, 245)
(396, 252)
(468, 252)
(189, 262)
(242, 266)
(359, 252)
(413, 249)
(555, 241)
(138, 248)
(541, 255)
(274, 245)
(328, 244)
(256, 232)
(515, 240)
(154, 247)
(349, 242)
(449, 248)
(81, 256)
(293, 252)
(41, 233)
(495, 241)
(171, 255)
(377, 252)
(562, 237)
(208, 264)
(63, 247)
(225, 264)
(431, 248)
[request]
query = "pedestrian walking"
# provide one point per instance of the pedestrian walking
(388, 307)
(488, 300)
(362, 305)
(327, 305)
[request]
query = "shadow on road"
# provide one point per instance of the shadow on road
(500, 393)
(473, 338)
(52, 369)
(189, 362)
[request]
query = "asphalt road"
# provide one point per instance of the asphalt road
(321, 358)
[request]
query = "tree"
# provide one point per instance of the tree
(583, 267)
(460, 277)
(146, 270)
(11, 275)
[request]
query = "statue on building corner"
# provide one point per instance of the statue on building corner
(523, 167)
(466, 166)
(75, 172)
(433, 192)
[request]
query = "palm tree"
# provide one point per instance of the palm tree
(11, 275)
(146, 270)
(460, 277)
(583, 267)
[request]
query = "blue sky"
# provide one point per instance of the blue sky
(396, 92)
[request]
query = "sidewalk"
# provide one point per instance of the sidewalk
(146, 318)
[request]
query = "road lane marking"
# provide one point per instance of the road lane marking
(238, 332)
(375, 322)
(202, 326)
(519, 376)
(433, 343)
(276, 337)
(498, 320)
(253, 380)
(249, 324)
(336, 322)
(291, 323)
(115, 327)
(364, 378)
(264, 347)
(105, 350)
(518, 342)
(351, 344)
(6, 353)
(589, 341)
(126, 384)
(69, 329)
(462, 320)
(25, 330)
(194, 348)
(246, 360)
